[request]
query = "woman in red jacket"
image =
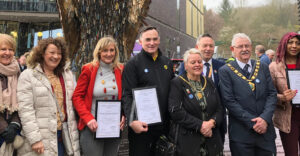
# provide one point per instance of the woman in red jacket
(99, 80)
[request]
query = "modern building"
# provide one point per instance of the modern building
(180, 22)
(26, 20)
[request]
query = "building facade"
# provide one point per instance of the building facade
(180, 22)
(23, 19)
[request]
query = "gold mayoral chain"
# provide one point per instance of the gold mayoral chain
(198, 93)
(253, 77)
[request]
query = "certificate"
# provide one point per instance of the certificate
(294, 84)
(147, 107)
(108, 115)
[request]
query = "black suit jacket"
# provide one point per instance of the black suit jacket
(244, 104)
(216, 64)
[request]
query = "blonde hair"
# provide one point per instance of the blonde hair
(9, 40)
(103, 43)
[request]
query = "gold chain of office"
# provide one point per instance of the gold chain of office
(253, 77)
(198, 93)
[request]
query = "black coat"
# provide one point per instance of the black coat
(143, 71)
(189, 118)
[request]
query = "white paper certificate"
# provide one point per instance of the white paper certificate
(294, 79)
(108, 115)
(147, 105)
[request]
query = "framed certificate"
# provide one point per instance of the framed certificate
(294, 84)
(108, 116)
(147, 107)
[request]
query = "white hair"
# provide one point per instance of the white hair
(189, 52)
(269, 51)
(239, 35)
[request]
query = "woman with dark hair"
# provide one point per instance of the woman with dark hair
(9, 71)
(287, 115)
(45, 106)
(99, 80)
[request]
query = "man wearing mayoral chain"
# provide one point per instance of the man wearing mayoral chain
(250, 97)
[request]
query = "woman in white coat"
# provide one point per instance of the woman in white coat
(44, 95)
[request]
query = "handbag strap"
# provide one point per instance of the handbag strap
(177, 128)
(176, 133)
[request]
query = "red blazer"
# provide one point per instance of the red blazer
(83, 94)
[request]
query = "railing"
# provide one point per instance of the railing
(28, 6)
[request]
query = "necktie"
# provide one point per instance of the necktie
(207, 69)
(245, 69)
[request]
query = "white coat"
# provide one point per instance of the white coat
(38, 109)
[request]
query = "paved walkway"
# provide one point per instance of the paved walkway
(124, 145)
(279, 147)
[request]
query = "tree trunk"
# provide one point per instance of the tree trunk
(84, 22)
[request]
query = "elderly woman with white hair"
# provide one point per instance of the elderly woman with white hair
(195, 105)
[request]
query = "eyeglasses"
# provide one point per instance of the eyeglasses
(246, 46)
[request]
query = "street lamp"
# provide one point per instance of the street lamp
(58, 34)
(40, 35)
(14, 34)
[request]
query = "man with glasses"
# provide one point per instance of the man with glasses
(250, 97)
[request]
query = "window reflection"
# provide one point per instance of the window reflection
(48, 6)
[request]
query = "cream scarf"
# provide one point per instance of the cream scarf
(8, 97)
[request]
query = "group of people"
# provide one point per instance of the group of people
(40, 104)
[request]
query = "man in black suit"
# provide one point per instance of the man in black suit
(250, 97)
(206, 46)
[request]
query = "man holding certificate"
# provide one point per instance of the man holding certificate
(287, 114)
(151, 70)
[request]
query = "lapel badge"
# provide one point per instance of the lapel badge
(188, 91)
(146, 70)
(166, 67)
(257, 80)
(215, 71)
(191, 96)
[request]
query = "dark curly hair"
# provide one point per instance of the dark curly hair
(37, 53)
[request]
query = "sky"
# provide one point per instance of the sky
(55, 33)
(215, 4)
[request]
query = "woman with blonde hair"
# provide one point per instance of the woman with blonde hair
(99, 80)
(44, 95)
(9, 72)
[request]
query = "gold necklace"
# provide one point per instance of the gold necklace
(199, 94)
(253, 77)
